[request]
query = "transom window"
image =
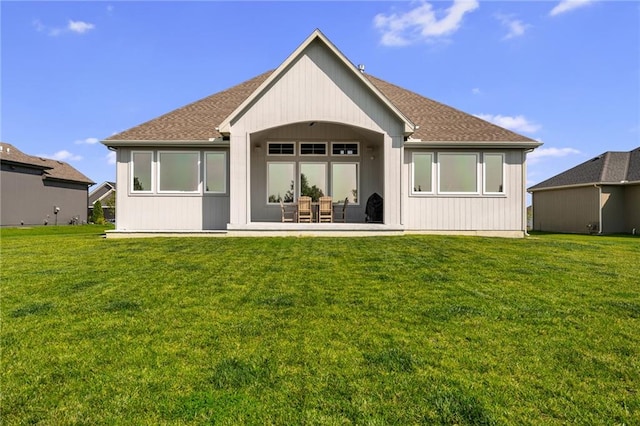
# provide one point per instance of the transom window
(281, 148)
(316, 148)
(339, 148)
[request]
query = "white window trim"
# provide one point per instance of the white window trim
(357, 163)
(295, 181)
(132, 171)
(478, 173)
(281, 143)
(326, 147)
(226, 171)
(433, 173)
(345, 143)
(484, 174)
(197, 191)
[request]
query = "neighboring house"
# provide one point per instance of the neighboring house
(37, 191)
(225, 162)
(601, 195)
(106, 194)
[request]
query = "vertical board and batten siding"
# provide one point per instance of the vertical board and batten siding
(632, 208)
(566, 210)
(467, 212)
(166, 212)
(612, 203)
(316, 86)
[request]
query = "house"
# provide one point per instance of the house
(601, 195)
(37, 191)
(226, 161)
(106, 194)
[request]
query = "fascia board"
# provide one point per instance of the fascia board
(475, 144)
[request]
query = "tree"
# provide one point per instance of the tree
(97, 216)
(312, 191)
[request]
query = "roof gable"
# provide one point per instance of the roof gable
(316, 36)
(611, 167)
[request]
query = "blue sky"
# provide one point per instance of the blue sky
(564, 72)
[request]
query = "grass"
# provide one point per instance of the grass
(379, 331)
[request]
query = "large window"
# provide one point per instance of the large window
(141, 171)
(215, 172)
(179, 171)
(313, 180)
(281, 182)
(458, 173)
(494, 173)
(422, 173)
(345, 181)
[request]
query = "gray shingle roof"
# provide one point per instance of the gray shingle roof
(613, 167)
(52, 169)
(438, 122)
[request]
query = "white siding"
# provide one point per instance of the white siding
(467, 212)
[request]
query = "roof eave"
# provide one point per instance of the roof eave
(212, 142)
(472, 144)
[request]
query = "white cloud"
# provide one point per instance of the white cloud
(62, 155)
(518, 123)
(540, 153)
(111, 157)
(568, 5)
(87, 141)
(80, 27)
(422, 23)
(516, 27)
(476, 91)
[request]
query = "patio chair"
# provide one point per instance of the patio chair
(341, 213)
(304, 209)
(325, 209)
(288, 212)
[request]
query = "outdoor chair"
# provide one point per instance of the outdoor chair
(341, 213)
(304, 209)
(325, 209)
(288, 212)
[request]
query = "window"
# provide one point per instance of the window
(345, 181)
(278, 148)
(494, 173)
(458, 173)
(422, 173)
(344, 148)
(141, 174)
(319, 148)
(313, 180)
(215, 172)
(179, 171)
(281, 182)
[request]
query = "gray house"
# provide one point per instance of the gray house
(226, 162)
(37, 191)
(106, 194)
(601, 195)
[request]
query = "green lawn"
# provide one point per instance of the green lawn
(388, 330)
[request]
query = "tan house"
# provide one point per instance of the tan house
(601, 195)
(40, 191)
(231, 161)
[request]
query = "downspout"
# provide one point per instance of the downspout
(524, 189)
(599, 207)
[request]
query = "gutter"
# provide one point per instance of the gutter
(524, 192)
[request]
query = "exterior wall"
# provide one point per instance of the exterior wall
(632, 208)
(315, 88)
(467, 212)
(168, 212)
(28, 198)
(613, 209)
(370, 170)
(566, 210)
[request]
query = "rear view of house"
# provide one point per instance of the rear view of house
(601, 195)
(37, 191)
(315, 125)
